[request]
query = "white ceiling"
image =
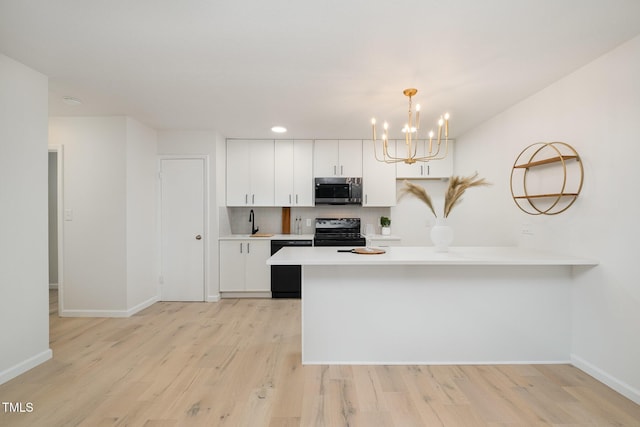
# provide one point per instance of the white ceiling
(321, 68)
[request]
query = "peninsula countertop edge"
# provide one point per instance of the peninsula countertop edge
(426, 255)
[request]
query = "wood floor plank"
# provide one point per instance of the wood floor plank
(237, 363)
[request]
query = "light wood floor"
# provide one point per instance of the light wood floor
(237, 363)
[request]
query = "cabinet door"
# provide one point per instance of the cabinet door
(261, 176)
(232, 265)
(325, 158)
(415, 170)
(303, 173)
(350, 158)
(258, 274)
(284, 173)
(238, 178)
(378, 179)
(442, 168)
(432, 169)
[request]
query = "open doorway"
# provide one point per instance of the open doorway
(55, 230)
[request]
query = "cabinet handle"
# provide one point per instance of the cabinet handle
(341, 170)
(366, 199)
(289, 198)
(248, 248)
(240, 247)
(296, 199)
(421, 170)
(253, 199)
(335, 169)
(428, 170)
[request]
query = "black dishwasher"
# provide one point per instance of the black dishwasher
(286, 280)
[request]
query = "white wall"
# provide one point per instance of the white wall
(210, 144)
(596, 110)
(95, 195)
(24, 297)
(109, 189)
(142, 243)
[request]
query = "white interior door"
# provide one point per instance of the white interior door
(182, 229)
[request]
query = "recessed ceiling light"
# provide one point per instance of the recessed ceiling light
(279, 129)
(70, 100)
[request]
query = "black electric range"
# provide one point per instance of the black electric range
(338, 232)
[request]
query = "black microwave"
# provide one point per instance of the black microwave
(338, 191)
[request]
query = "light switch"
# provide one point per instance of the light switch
(68, 215)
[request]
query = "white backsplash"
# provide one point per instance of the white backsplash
(270, 219)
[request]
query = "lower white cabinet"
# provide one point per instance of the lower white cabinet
(243, 265)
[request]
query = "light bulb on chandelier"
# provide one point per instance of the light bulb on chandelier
(412, 127)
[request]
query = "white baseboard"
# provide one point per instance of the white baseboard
(22, 367)
(110, 313)
(145, 304)
(251, 294)
(213, 298)
(620, 386)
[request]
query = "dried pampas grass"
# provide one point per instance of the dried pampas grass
(419, 192)
(457, 186)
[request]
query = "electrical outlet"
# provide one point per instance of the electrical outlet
(308, 222)
(527, 230)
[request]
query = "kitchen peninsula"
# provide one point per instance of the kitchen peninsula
(412, 305)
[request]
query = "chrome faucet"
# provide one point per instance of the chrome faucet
(252, 220)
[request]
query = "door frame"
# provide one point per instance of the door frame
(59, 150)
(207, 243)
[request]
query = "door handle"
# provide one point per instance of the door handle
(198, 237)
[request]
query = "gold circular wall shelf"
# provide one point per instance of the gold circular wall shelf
(540, 163)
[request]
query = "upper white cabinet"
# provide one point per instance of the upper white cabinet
(378, 178)
(293, 173)
(432, 169)
(250, 172)
(337, 158)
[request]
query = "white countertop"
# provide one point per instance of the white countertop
(413, 255)
(274, 237)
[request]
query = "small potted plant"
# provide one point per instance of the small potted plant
(385, 223)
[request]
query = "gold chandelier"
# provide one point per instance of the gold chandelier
(433, 151)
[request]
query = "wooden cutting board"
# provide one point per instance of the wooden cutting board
(261, 235)
(368, 251)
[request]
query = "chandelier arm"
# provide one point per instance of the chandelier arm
(435, 156)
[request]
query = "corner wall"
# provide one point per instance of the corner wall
(95, 214)
(142, 244)
(596, 110)
(24, 284)
(110, 260)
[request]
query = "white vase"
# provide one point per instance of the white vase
(441, 235)
(386, 231)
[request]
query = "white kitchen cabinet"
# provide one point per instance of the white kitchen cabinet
(432, 169)
(337, 158)
(380, 241)
(293, 173)
(250, 172)
(378, 178)
(243, 266)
